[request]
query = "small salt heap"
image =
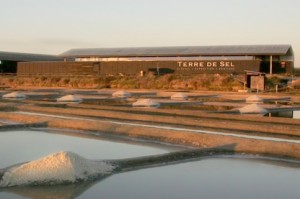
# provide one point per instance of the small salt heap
(254, 99)
(69, 98)
(122, 94)
(179, 96)
(58, 168)
(253, 109)
(14, 95)
(146, 103)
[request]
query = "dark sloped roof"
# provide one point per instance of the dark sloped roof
(180, 51)
(12, 56)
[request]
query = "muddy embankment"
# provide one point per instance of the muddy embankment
(173, 126)
(189, 119)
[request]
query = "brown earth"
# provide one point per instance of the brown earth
(146, 124)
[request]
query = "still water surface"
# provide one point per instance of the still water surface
(285, 114)
(21, 146)
(224, 178)
(296, 114)
(207, 179)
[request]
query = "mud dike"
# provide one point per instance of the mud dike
(254, 135)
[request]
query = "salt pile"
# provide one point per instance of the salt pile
(254, 99)
(14, 95)
(253, 108)
(58, 168)
(69, 98)
(146, 103)
(179, 96)
(121, 94)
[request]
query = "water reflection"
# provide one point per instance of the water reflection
(25, 145)
(223, 177)
(296, 114)
(226, 178)
(47, 192)
(285, 114)
(208, 179)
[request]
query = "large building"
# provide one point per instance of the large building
(9, 60)
(179, 60)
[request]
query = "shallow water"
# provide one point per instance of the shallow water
(296, 114)
(285, 114)
(26, 145)
(225, 178)
(208, 179)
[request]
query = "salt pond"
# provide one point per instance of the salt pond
(224, 178)
(296, 115)
(285, 114)
(208, 178)
(20, 146)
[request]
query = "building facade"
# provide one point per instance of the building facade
(163, 60)
(10, 60)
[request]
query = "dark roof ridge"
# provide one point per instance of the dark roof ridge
(179, 50)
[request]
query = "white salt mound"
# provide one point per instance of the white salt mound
(253, 108)
(69, 98)
(146, 103)
(58, 168)
(121, 94)
(179, 96)
(254, 99)
(14, 95)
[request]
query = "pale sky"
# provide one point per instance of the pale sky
(55, 26)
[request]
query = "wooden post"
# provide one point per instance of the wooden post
(271, 64)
